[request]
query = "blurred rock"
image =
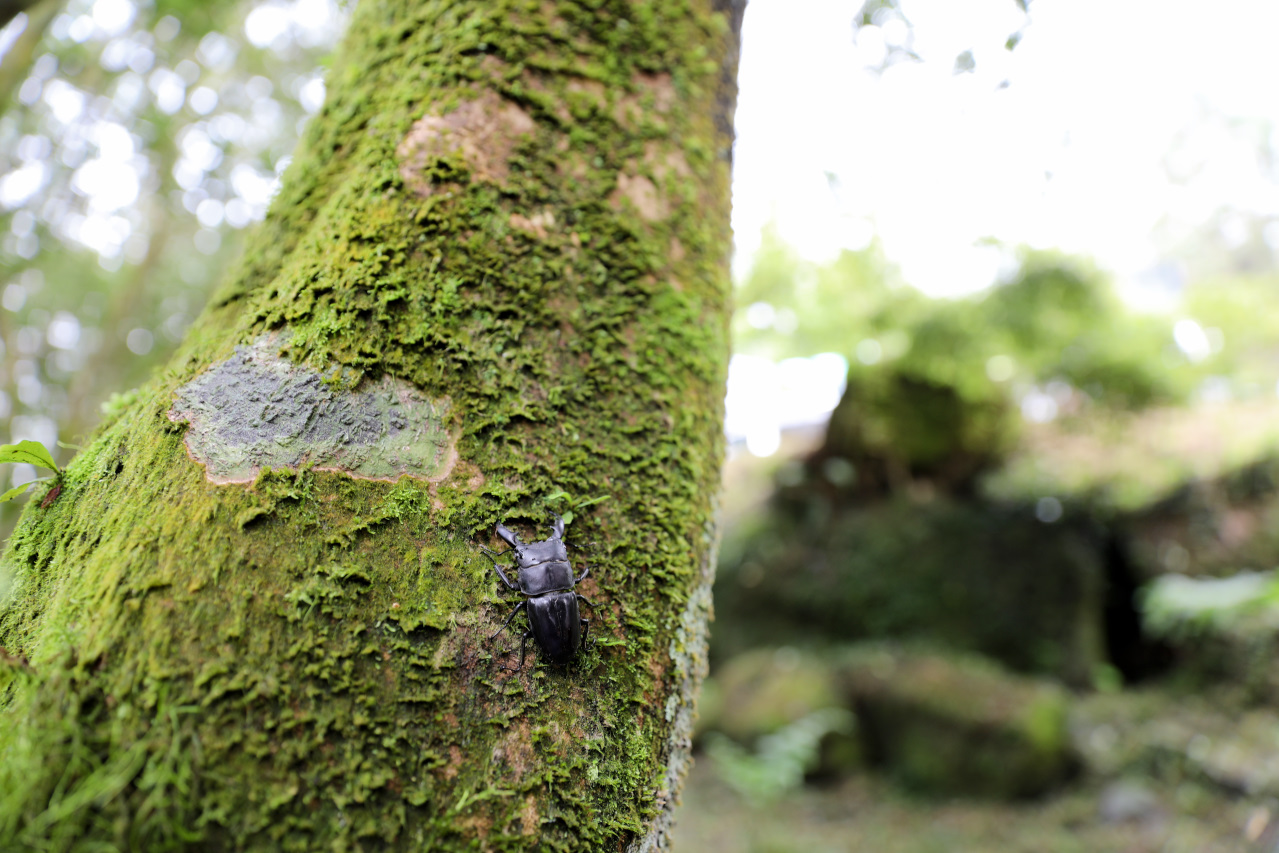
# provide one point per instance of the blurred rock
(958, 725)
(1210, 525)
(1220, 631)
(761, 691)
(1128, 802)
(1177, 737)
(990, 579)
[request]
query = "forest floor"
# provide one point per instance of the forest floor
(1162, 774)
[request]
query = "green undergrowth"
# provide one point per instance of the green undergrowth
(303, 663)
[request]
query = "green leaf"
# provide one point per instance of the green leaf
(568, 517)
(13, 493)
(30, 452)
(593, 501)
(554, 496)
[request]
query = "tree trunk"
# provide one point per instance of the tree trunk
(256, 614)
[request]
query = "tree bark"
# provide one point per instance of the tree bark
(256, 614)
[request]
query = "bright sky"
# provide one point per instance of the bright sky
(1104, 101)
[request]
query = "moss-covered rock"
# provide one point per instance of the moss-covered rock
(1218, 631)
(759, 692)
(958, 725)
(1174, 737)
(989, 579)
(1131, 463)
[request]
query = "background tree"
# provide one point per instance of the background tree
(494, 283)
(138, 142)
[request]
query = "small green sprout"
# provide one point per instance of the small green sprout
(32, 453)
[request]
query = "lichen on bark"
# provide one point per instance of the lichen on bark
(256, 410)
(302, 662)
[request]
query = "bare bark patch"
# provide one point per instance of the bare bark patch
(651, 93)
(536, 225)
(529, 817)
(662, 88)
(676, 251)
(663, 161)
(257, 410)
(642, 194)
(584, 85)
(483, 133)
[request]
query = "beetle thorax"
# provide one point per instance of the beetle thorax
(554, 576)
(546, 551)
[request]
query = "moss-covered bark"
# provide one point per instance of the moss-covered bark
(511, 218)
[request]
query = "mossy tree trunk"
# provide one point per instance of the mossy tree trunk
(255, 614)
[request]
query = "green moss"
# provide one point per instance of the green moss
(302, 663)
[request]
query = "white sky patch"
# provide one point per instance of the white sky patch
(65, 101)
(169, 88)
(278, 25)
(1192, 340)
(108, 184)
(64, 331)
(113, 140)
(18, 186)
(765, 398)
(311, 95)
(266, 23)
(9, 32)
(252, 186)
(112, 16)
(104, 234)
(203, 100)
(1102, 102)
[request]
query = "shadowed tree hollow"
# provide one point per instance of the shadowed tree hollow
(255, 615)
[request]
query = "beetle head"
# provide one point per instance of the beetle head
(508, 536)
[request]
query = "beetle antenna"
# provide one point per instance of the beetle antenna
(493, 555)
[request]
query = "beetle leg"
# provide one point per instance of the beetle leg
(498, 566)
(517, 609)
(585, 571)
(581, 597)
(523, 643)
(503, 576)
(586, 628)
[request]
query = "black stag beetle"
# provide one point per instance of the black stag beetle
(546, 577)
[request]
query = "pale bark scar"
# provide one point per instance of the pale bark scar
(651, 92)
(536, 225)
(642, 194)
(482, 132)
(257, 410)
(529, 818)
(667, 167)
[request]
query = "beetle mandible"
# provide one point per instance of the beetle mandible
(546, 577)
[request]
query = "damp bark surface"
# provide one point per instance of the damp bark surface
(494, 284)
